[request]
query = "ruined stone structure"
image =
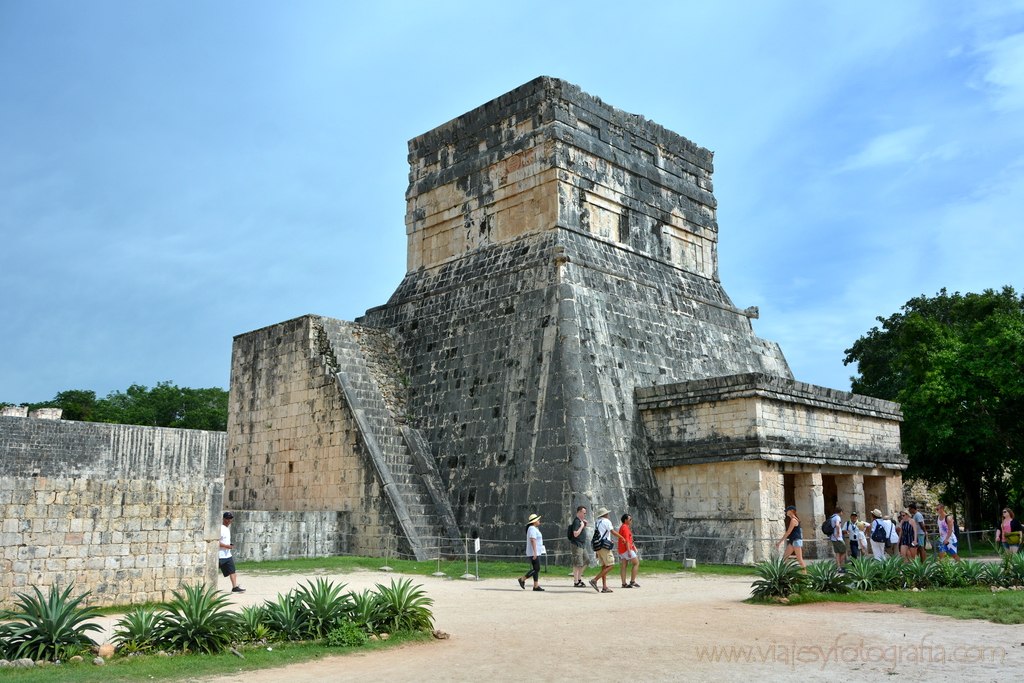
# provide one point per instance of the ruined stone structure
(560, 337)
(128, 513)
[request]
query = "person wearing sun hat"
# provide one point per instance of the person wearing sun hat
(534, 549)
(603, 533)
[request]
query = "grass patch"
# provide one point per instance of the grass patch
(488, 569)
(190, 667)
(1002, 607)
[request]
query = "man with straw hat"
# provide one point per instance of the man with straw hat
(534, 549)
(603, 533)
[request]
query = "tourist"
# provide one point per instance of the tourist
(793, 537)
(627, 552)
(838, 544)
(577, 546)
(854, 535)
(603, 533)
(1009, 532)
(908, 537)
(224, 559)
(947, 534)
(922, 531)
(534, 549)
(879, 534)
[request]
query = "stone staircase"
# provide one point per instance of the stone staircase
(367, 370)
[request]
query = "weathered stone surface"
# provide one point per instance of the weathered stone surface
(126, 512)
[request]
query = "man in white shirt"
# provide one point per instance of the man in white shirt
(224, 559)
(838, 544)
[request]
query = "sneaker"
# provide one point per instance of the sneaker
(593, 584)
(522, 583)
(607, 590)
(634, 584)
(237, 589)
(538, 588)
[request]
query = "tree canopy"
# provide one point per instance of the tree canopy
(165, 405)
(956, 364)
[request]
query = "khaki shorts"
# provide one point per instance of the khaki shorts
(579, 556)
(839, 547)
(604, 558)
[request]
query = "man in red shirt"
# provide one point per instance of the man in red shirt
(627, 552)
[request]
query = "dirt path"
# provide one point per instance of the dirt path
(675, 627)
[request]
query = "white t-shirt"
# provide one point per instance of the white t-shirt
(604, 529)
(225, 538)
(534, 532)
(837, 527)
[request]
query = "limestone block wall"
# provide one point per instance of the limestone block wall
(293, 444)
(126, 512)
(260, 535)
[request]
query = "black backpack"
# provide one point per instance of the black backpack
(569, 534)
(879, 534)
(827, 528)
(599, 541)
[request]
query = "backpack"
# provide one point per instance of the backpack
(879, 534)
(827, 528)
(894, 534)
(600, 541)
(569, 534)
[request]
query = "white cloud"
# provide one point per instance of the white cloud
(898, 147)
(1004, 73)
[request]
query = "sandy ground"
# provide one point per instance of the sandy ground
(676, 627)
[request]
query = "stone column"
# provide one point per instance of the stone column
(810, 505)
(850, 488)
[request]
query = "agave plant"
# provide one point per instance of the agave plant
(824, 577)
(326, 606)
(993, 574)
(6, 646)
(1013, 570)
(918, 573)
(974, 573)
(364, 610)
(286, 617)
(139, 630)
(890, 573)
(198, 620)
(251, 625)
(779, 579)
(862, 573)
(404, 607)
(52, 627)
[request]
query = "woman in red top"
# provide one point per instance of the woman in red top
(627, 552)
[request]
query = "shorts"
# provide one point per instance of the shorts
(839, 547)
(227, 565)
(799, 543)
(628, 555)
(949, 549)
(920, 540)
(604, 558)
(579, 556)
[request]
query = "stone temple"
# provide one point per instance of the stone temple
(561, 337)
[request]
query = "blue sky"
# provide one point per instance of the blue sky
(173, 174)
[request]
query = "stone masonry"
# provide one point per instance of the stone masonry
(128, 513)
(562, 257)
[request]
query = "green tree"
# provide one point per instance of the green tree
(956, 364)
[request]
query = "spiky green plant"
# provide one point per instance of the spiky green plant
(779, 579)
(1013, 570)
(364, 610)
(404, 607)
(6, 646)
(139, 630)
(824, 577)
(974, 573)
(198, 619)
(862, 573)
(918, 573)
(890, 573)
(993, 574)
(53, 627)
(251, 625)
(326, 605)
(286, 617)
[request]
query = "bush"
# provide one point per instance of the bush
(404, 607)
(364, 610)
(779, 579)
(862, 573)
(1013, 570)
(325, 604)
(52, 628)
(347, 634)
(890, 573)
(824, 577)
(974, 573)
(949, 575)
(198, 620)
(139, 630)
